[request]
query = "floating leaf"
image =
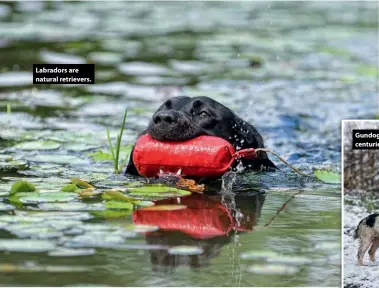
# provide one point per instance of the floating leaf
(13, 165)
(68, 252)
(79, 147)
(57, 159)
(38, 145)
(5, 207)
(36, 231)
(101, 156)
(143, 203)
(70, 188)
(328, 177)
(49, 197)
(118, 205)
(117, 195)
(22, 186)
(295, 260)
(111, 214)
(164, 208)
(81, 183)
(185, 250)
(26, 245)
(258, 254)
(157, 191)
(5, 158)
(88, 193)
(272, 269)
(72, 206)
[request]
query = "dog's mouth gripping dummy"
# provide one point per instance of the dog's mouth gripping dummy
(203, 156)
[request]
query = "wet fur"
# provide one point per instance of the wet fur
(367, 232)
(183, 118)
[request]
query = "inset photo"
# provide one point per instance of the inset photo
(361, 202)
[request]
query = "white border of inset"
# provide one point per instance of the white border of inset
(343, 188)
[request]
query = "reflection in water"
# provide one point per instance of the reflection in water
(208, 222)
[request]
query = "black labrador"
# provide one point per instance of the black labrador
(183, 118)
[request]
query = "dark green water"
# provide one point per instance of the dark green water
(293, 69)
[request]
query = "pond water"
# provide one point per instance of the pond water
(293, 69)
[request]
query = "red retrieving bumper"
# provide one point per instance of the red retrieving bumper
(204, 156)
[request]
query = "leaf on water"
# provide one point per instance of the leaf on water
(101, 156)
(328, 177)
(111, 214)
(117, 195)
(72, 206)
(88, 193)
(294, 260)
(258, 254)
(157, 191)
(81, 183)
(70, 188)
(79, 147)
(118, 205)
(68, 252)
(272, 269)
(26, 245)
(13, 165)
(142, 203)
(57, 159)
(22, 186)
(38, 145)
(49, 197)
(368, 70)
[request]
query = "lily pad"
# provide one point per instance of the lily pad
(40, 231)
(26, 245)
(272, 269)
(157, 191)
(68, 252)
(14, 165)
(259, 254)
(80, 147)
(81, 183)
(22, 186)
(72, 206)
(101, 156)
(5, 158)
(6, 207)
(49, 197)
(57, 159)
(185, 250)
(70, 188)
(118, 205)
(328, 177)
(38, 145)
(117, 195)
(111, 214)
(294, 260)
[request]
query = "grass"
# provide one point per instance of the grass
(116, 154)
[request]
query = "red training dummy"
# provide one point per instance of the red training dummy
(204, 156)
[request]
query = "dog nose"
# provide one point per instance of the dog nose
(168, 117)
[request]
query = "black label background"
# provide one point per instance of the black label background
(85, 71)
(365, 140)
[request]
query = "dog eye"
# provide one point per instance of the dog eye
(203, 114)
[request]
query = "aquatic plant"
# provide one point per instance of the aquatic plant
(116, 154)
